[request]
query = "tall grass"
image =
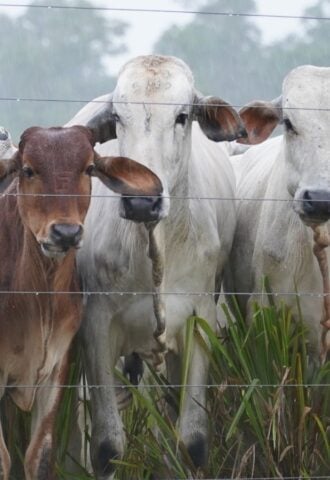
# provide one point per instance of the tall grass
(267, 419)
(268, 405)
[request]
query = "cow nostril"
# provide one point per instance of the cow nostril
(308, 204)
(66, 233)
(142, 209)
(157, 205)
(316, 204)
(3, 134)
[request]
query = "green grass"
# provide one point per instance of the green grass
(266, 420)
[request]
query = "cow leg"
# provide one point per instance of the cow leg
(193, 417)
(4, 458)
(193, 421)
(101, 353)
(39, 457)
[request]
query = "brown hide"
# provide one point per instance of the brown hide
(36, 330)
(41, 219)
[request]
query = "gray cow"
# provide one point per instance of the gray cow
(275, 238)
(158, 118)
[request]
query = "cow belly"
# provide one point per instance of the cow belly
(134, 324)
(33, 362)
(297, 273)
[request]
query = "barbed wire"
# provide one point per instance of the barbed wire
(296, 477)
(178, 385)
(133, 102)
(179, 294)
(161, 10)
(171, 197)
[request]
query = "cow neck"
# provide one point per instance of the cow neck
(177, 222)
(40, 273)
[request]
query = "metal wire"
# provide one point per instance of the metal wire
(179, 294)
(156, 10)
(132, 102)
(171, 197)
(296, 477)
(179, 385)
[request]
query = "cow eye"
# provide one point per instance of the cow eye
(116, 117)
(181, 119)
(288, 126)
(90, 170)
(27, 172)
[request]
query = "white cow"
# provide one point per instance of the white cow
(7, 150)
(274, 238)
(151, 112)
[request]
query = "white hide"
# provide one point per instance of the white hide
(195, 237)
(7, 148)
(271, 239)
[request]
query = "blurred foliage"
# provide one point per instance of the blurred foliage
(57, 54)
(228, 57)
(63, 54)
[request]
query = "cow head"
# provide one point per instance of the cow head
(54, 166)
(151, 112)
(303, 109)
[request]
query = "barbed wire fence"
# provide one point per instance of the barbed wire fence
(172, 198)
(54, 6)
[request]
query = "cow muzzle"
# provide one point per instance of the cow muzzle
(313, 205)
(142, 209)
(62, 237)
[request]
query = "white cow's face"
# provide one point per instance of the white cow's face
(303, 111)
(151, 112)
(156, 126)
(306, 95)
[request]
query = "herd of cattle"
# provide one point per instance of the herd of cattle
(183, 217)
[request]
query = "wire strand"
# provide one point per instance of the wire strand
(179, 294)
(167, 11)
(178, 385)
(132, 102)
(171, 197)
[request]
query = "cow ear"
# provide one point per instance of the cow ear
(9, 166)
(126, 176)
(218, 120)
(260, 119)
(97, 115)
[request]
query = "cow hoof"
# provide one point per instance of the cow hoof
(102, 460)
(133, 368)
(197, 449)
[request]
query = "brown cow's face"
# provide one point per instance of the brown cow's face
(55, 185)
(54, 167)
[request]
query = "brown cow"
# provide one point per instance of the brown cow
(40, 230)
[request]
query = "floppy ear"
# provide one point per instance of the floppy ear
(97, 115)
(126, 176)
(218, 120)
(9, 166)
(260, 119)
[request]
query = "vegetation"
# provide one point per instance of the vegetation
(268, 401)
(54, 54)
(268, 404)
(227, 54)
(266, 418)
